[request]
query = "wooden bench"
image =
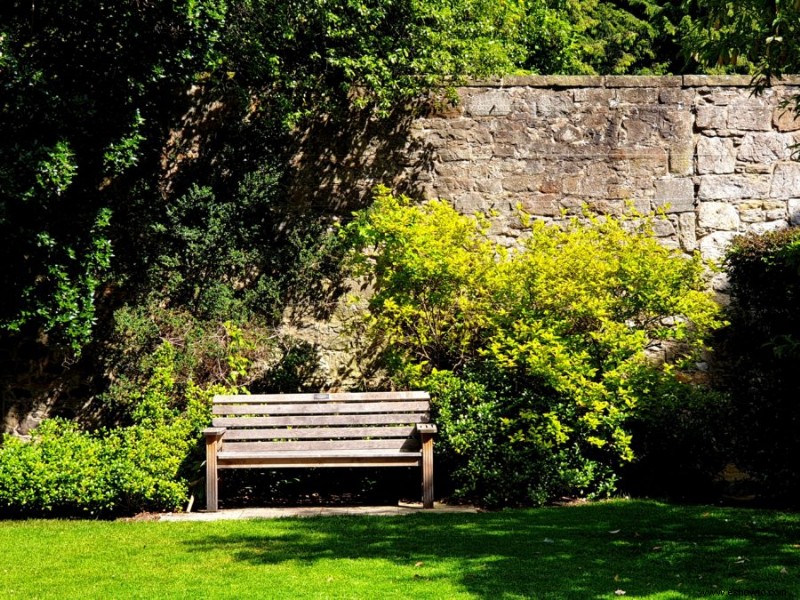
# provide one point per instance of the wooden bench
(375, 429)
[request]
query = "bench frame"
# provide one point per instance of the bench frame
(372, 429)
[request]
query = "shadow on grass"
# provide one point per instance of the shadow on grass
(595, 551)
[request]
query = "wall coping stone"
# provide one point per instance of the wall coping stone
(624, 81)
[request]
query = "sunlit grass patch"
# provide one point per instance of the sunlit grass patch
(605, 550)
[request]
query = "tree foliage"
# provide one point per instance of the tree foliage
(760, 36)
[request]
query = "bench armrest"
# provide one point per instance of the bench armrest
(214, 431)
(428, 428)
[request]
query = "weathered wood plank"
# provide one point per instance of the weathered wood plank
(404, 444)
(320, 420)
(320, 433)
(325, 408)
(212, 443)
(333, 396)
(427, 470)
(320, 454)
(301, 463)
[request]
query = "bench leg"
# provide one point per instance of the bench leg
(427, 471)
(211, 474)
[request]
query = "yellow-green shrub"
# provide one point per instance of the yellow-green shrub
(550, 336)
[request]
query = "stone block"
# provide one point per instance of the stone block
(641, 206)
(472, 203)
(550, 185)
(568, 134)
(544, 205)
(775, 210)
(581, 185)
(785, 119)
(764, 148)
(520, 183)
(614, 208)
(621, 192)
(711, 117)
(489, 186)
(674, 195)
(593, 96)
(750, 118)
(555, 104)
(715, 155)
(674, 95)
(540, 81)
(767, 226)
(637, 131)
(638, 95)
(681, 160)
(733, 187)
(687, 231)
(639, 161)
(503, 150)
(785, 181)
(663, 228)
(721, 96)
(488, 104)
(718, 216)
(714, 245)
(677, 126)
(453, 152)
(751, 211)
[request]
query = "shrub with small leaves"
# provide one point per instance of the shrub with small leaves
(533, 354)
(144, 466)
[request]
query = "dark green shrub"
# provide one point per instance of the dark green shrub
(762, 349)
(681, 432)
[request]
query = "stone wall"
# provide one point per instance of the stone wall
(714, 157)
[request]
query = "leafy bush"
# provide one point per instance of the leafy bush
(762, 347)
(681, 434)
(536, 356)
(147, 465)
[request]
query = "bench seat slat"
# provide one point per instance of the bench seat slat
(406, 445)
(319, 433)
(317, 420)
(295, 463)
(317, 454)
(332, 397)
(325, 408)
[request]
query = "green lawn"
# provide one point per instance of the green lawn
(644, 549)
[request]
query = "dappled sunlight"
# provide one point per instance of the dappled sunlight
(645, 550)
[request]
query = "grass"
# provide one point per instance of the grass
(644, 549)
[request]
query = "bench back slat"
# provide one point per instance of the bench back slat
(332, 397)
(320, 420)
(293, 433)
(406, 444)
(317, 408)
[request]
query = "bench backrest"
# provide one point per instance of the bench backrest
(372, 420)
